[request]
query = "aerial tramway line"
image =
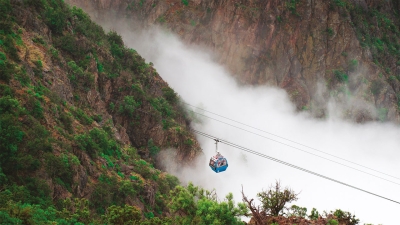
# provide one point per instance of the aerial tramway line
(215, 159)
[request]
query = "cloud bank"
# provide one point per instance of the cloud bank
(192, 72)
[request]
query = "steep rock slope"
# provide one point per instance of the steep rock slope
(82, 119)
(345, 50)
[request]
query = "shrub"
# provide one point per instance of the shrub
(115, 38)
(82, 116)
(198, 207)
(5, 16)
(340, 3)
(56, 16)
(9, 47)
(22, 77)
(9, 105)
(297, 211)
(5, 90)
(39, 137)
(170, 95)
(153, 149)
(128, 106)
(185, 2)
(38, 191)
(39, 40)
(162, 106)
(292, 5)
(345, 217)
(332, 222)
(59, 168)
(101, 197)
(11, 135)
(96, 142)
(68, 44)
(36, 4)
(78, 77)
(116, 44)
(188, 142)
(66, 120)
(143, 168)
(341, 76)
(35, 107)
(330, 31)
(314, 214)
(6, 68)
(122, 215)
(75, 211)
(111, 106)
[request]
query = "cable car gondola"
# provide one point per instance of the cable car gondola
(218, 163)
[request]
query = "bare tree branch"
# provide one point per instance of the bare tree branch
(254, 211)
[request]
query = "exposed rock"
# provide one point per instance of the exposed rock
(296, 45)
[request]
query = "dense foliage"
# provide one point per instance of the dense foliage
(61, 161)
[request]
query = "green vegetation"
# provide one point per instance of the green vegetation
(170, 95)
(6, 68)
(57, 144)
(314, 214)
(128, 106)
(291, 5)
(98, 141)
(273, 201)
(341, 76)
(298, 211)
(153, 149)
(161, 19)
(330, 31)
(162, 106)
(377, 31)
(339, 3)
(185, 2)
(273, 206)
(204, 210)
(332, 222)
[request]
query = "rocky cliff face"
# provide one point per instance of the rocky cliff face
(81, 116)
(342, 50)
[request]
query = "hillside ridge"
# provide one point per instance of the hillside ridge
(341, 51)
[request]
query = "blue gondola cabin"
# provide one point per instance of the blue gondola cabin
(218, 163)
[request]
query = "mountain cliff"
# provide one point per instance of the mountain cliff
(82, 119)
(342, 51)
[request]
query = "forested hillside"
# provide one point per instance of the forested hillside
(81, 121)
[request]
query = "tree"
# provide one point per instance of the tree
(273, 202)
(274, 199)
(192, 205)
(122, 215)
